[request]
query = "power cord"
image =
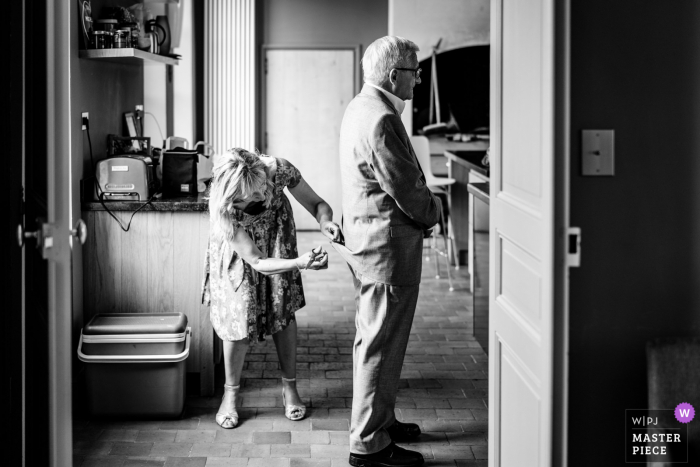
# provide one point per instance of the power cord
(101, 194)
(157, 125)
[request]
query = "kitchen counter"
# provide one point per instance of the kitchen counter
(179, 204)
(156, 266)
(469, 158)
(479, 261)
(464, 165)
(480, 190)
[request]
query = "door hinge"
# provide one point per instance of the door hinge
(573, 247)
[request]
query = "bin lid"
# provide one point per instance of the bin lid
(136, 323)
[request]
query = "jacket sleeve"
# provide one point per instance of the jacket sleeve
(399, 176)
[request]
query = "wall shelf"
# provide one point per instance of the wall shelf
(131, 56)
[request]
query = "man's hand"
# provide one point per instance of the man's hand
(332, 231)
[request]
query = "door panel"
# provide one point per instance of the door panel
(306, 94)
(522, 234)
(36, 278)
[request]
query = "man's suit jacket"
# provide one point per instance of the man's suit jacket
(386, 203)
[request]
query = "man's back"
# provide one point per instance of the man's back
(386, 205)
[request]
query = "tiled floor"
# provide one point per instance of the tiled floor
(443, 388)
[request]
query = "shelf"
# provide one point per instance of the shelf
(132, 56)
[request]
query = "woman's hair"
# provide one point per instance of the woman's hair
(236, 176)
(384, 54)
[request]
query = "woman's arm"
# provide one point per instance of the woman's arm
(318, 208)
(246, 248)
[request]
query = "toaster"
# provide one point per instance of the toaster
(121, 178)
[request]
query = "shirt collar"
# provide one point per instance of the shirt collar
(399, 105)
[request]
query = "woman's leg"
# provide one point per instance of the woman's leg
(234, 358)
(286, 344)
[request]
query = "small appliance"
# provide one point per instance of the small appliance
(124, 178)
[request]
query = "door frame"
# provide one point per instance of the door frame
(262, 127)
(562, 174)
(60, 217)
(562, 154)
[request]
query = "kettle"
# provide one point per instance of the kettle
(158, 35)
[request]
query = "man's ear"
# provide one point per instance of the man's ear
(393, 75)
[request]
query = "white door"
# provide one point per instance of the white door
(522, 236)
(306, 93)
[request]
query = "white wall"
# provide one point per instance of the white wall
(154, 93)
(460, 23)
(183, 76)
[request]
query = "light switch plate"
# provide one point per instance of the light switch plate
(598, 152)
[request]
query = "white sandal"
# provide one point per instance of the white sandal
(231, 417)
(292, 412)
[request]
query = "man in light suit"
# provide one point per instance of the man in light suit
(387, 210)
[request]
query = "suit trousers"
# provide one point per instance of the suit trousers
(383, 319)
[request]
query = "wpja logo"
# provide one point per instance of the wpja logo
(658, 435)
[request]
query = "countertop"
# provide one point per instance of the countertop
(180, 204)
(470, 158)
(480, 190)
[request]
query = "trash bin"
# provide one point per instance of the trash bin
(135, 364)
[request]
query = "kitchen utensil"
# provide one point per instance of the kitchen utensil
(162, 22)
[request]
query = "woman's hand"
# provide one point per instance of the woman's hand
(332, 231)
(315, 259)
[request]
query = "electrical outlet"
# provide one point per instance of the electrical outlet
(139, 107)
(84, 116)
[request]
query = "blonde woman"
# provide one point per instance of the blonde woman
(252, 269)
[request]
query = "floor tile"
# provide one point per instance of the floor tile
(330, 425)
(156, 436)
(268, 462)
(228, 461)
(171, 449)
(310, 437)
(308, 462)
(186, 462)
(131, 449)
(210, 450)
(290, 450)
(274, 437)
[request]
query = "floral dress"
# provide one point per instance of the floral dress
(244, 303)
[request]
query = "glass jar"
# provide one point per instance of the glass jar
(109, 25)
(102, 39)
(122, 39)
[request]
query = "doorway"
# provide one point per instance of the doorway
(305, 93)
(38, 348)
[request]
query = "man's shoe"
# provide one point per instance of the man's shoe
(390, 456)
(403, 432)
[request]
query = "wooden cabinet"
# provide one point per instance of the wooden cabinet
(157, 266)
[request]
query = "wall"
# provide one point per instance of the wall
(184, 75)
(320, 22)
(637, 71)
(459, 23)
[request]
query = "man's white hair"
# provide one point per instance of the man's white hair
(384, 54)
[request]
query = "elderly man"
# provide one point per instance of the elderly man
(387, 210)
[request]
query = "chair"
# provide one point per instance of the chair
(421, 146)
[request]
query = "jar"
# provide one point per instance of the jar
(102, 39)
(135, 33)
(122, 39)
(109, 25)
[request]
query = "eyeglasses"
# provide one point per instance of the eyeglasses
(416, 71)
